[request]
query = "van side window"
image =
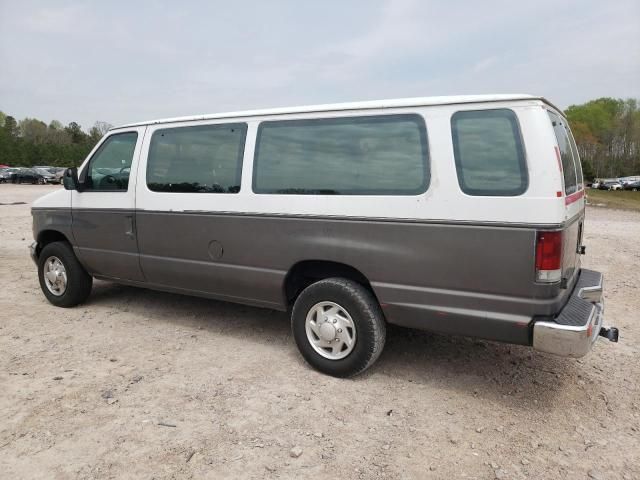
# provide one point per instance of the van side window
(200, 159)
(568, 154)
(110, 166)
(371, 155)
(488, 152)
(576, 159)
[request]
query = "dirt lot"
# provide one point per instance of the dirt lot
(140, 384)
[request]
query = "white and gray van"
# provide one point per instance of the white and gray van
(461, 215)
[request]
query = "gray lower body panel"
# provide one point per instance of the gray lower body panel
(460, 279)
(103, 244)
(475, 280)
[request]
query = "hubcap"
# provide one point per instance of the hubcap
(330, 330)
(55, 276)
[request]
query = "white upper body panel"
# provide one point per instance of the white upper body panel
(58, 199)
(351, 106)
(541, 204)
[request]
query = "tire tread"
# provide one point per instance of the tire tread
(79, 282)
(374, 325)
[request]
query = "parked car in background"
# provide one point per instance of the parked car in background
(58, 172)
(633, 186)
(610, 186)
(49, 175)
(9, 175)
(626, 180)
(35, 175)
(55, 171)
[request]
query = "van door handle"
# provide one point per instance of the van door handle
(129, 231)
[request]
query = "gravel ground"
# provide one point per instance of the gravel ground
(141, 384)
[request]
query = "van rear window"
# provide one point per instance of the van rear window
(488, 152)
(372, 155)
(571, 168)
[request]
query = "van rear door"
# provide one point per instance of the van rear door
(573, 189)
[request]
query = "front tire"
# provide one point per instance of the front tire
(63, 280)
(338, 327)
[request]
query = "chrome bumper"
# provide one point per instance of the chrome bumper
(576, 328)
(33, 252)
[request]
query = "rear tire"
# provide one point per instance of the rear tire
(63, 280)
(338, 305)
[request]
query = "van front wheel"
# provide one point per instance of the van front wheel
(338, 327)
(63, 280)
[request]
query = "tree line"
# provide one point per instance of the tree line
(30, 142)
(606, 130)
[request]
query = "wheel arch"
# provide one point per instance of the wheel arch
(305, 272)
(45, 237)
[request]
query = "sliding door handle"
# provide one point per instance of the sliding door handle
(129, 226)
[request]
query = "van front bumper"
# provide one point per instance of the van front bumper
(33, 252)
(575, 329)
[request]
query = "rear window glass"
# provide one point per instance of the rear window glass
(202, 159)
(576, 159)
(373, 155)
(571, 169)
(488, 151)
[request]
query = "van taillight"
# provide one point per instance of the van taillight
(549, 257)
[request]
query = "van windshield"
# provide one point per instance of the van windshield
(571, 168)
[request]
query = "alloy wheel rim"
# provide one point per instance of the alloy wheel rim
(330, 330)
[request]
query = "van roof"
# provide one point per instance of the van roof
(372, 104)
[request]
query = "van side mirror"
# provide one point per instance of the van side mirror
(70, 179)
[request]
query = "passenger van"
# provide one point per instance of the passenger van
(460, 215)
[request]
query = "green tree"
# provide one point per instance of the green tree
(56, 125)
(607, 132)
(76, 133)
(33, 131)
(98, 130)
(32, 142)
(11, 127)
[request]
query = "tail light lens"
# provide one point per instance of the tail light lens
(549, 257)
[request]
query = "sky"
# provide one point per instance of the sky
(127, 61)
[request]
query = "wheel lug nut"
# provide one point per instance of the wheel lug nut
(334, 320)
(339, 330)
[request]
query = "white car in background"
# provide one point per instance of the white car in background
(610, 185)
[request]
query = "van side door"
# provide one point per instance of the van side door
(189, 175)
(103, 210)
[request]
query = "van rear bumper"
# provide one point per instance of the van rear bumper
(575, 329)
